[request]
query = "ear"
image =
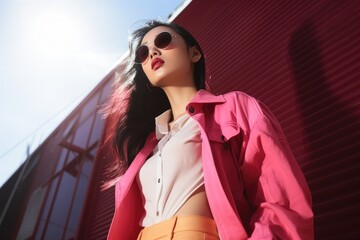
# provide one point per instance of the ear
(195, 54)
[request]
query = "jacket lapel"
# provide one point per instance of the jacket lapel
(135, 166)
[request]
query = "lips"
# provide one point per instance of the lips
(156, 63)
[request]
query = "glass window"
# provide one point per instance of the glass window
(62, 159)
(53, 231)
(74, 166)
(97, 129)
(69, 128)
(70, 235)
(40, 229)
(82, 133)
(90, 107)
(48, 202)
(88, 164)
(31, 214)
(77, 206)
(93, 151)
(61, 206)
(72, 156)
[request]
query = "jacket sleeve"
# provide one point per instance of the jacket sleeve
(274, 184)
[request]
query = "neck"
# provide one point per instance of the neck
(179, 97)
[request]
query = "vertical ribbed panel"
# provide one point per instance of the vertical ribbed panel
(101, 215)
(302, 59)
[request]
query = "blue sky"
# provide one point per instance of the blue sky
(52, 53)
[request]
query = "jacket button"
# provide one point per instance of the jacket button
(191, 109)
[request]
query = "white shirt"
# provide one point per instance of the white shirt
(174, 171)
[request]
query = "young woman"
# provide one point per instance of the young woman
(194, 165)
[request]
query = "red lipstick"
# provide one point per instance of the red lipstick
(156, 63)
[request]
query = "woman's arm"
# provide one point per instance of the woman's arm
(275, 185)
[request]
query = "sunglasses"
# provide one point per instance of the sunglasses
(162, 40)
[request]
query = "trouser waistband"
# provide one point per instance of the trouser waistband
(178, 224)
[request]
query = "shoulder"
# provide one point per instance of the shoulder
(237, 94)
(240, 96)
(245, 109)
(252, 111)
(244, 102)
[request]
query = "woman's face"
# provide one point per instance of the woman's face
(172, 65)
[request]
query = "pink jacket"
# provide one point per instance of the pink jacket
(254, 185)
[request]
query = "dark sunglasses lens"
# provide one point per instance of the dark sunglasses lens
(163, 40)
(142, 53)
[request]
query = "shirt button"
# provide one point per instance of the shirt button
(191, 109)
(158, 180)
(157, 213)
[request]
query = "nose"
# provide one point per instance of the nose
(154, 51)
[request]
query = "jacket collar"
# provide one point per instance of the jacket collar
(203, 96)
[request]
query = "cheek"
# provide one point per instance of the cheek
(184, 63)
(180, 57)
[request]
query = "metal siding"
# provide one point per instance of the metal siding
(302, 59)
(101, 215)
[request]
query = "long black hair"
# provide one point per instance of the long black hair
(135, 103)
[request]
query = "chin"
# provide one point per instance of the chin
(159, 82)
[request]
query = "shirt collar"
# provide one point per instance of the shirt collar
(162, 123)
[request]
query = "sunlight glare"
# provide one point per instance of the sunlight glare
(54, 33)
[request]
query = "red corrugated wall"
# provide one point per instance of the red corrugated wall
(302, 59)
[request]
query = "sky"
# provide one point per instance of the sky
(52, 54)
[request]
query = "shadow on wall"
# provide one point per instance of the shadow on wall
(332, 137)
